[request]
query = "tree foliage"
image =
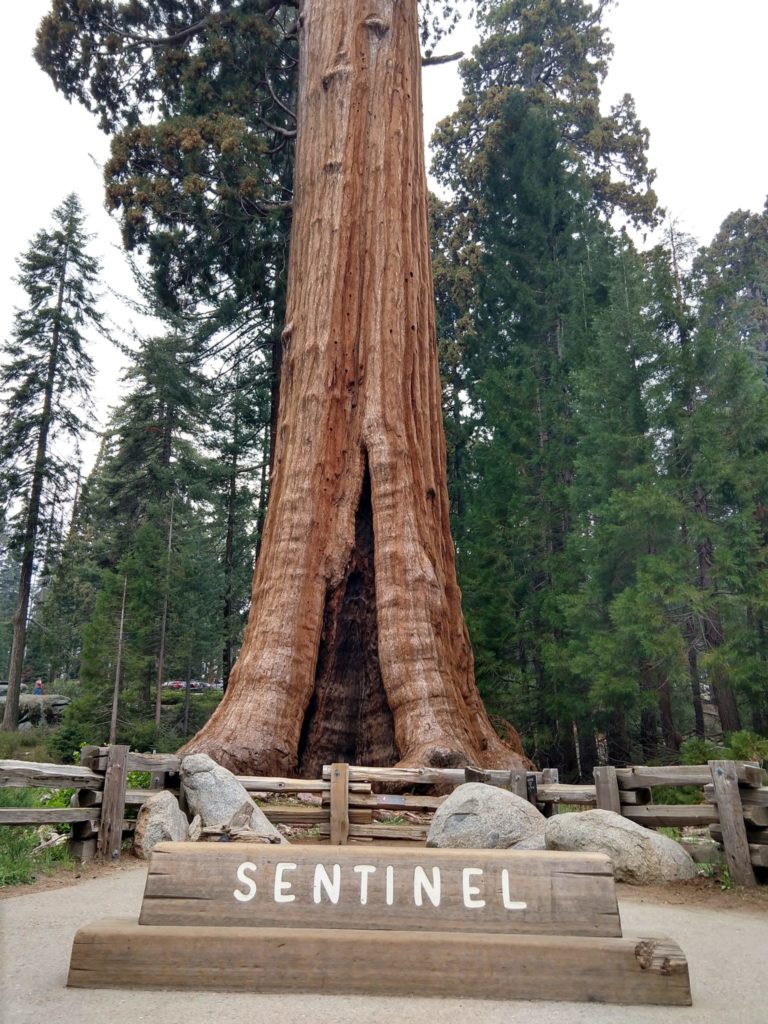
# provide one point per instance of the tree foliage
(44, 382)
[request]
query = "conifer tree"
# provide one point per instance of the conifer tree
(146, 532)
(623, 618)
(557, 53)
(45, 382)
(536, 300)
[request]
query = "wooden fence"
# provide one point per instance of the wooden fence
(346, 808)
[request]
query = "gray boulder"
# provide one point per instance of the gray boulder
(215, 794)
(639, 856)
(480, 817)
(534, 842)
(160, 820)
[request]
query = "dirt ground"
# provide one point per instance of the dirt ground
(724, 935)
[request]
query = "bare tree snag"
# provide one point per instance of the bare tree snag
(356, 649)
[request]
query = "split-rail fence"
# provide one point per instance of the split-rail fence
(349, 810)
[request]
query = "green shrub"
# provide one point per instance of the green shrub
(678, 795)
(699, 751)
(747, 746)
(739, 746)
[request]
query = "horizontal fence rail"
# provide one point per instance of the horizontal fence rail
(344, 805)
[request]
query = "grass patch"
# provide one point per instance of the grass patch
(19, 865)
(28, 745)
(670, 833)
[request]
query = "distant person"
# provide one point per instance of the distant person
(38, 691)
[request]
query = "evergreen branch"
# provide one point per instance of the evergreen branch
(266, 7)
(153, 41)
(447, 58)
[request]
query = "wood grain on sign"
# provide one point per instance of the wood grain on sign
(118, 953)
(347, 887)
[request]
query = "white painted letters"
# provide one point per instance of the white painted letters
(422, 885)
(509, 904)
(417, 886)
(249, 883)
(323, 880)
(470, 891)
(390, 885)
(281, 886)
(364, 870)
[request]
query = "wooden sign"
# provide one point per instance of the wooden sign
(118, 953)
(472, 924)
(493, 891)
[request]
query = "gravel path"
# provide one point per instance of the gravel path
(727, 952)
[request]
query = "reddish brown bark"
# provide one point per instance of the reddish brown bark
(356, 645)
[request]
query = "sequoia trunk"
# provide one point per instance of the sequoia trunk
(356, 647)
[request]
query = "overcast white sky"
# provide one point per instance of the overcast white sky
(695, 68)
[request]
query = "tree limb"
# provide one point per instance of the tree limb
(447, 58)
(287, 133)
(287, 110)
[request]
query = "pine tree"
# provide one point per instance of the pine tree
(729, 428)
(624, 618)
(536, 298)
(45, 381)
(65, 603)
(147, 543)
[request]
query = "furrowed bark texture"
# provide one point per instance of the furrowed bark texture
(356, 647)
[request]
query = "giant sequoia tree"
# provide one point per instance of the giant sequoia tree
(356, 646)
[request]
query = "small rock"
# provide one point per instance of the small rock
(215, 794)
(481, 817)
(160, 820)
(639, 856)
(195, 829)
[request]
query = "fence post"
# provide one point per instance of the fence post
(113, 803)
(339, 804)
(607, 796)
(731, 813)
(518, 782)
